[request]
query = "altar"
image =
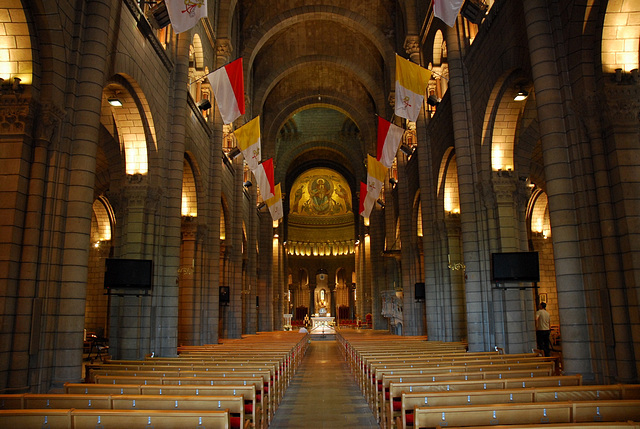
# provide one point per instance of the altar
(322, 321)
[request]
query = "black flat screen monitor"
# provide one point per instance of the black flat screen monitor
(515, 267)
(128, 274)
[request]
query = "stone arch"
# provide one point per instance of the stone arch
(498, 128)
(620, 37)
(132, 123)
(376, 89)
(349, 19)
(448, 183)
(189, 189)
(364, 121)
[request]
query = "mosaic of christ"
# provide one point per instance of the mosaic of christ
(320, 192)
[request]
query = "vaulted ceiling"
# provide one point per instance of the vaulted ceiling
(318, 74)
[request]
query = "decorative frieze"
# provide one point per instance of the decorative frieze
(16, 114)
(622, 107)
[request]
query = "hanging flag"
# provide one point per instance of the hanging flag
(248, 138)
(411, 85)
(363, 196)
(376, 173)
(389, 138)
(185, 14)
(264, 178)
(275, 203)
(227, 84)
(447, 10)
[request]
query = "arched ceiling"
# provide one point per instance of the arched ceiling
(318, 75)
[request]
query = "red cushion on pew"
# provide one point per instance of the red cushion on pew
(397, 404)
(409, 419)
(248, 407)
(235, 422)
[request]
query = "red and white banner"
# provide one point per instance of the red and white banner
(376, 173)
(447, 10)
(185, 14)
(389, 138)
(264, 179)
(227, 84)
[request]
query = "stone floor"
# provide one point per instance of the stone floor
(323, 394)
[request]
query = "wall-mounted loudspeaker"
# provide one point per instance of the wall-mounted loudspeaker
(420, 292)
(224, 295)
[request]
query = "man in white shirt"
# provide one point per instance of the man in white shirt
(543, 329)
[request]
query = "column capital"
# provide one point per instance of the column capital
(622, 104)
(224, 49)
(412, 48)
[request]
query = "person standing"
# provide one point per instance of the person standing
(543, 329)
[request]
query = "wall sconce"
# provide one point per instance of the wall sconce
(380, 203)
(261, 205)
(204, 104)
(393, 182)
(247, 184)
(233, 153)
(159, 16)
(432, 100)
(114, 101)
(16, 84)
(521, 95)
(406, 149)
(474, 10)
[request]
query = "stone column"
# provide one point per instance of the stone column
(352, 301)
(562, 209)
(622, 134)
(188, 312)
(412, 310)
(67, 326)
(477, 285)
(312, 301)
(250, 287)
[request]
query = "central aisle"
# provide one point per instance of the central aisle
(323, 394)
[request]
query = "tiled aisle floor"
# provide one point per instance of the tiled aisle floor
(323, 394)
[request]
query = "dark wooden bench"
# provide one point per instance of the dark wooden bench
(527, 413)
(396, 408)
(130, 419)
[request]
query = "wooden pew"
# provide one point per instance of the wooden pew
(130, 419)
(377, 393)
(503, 396)
(595, 425)
(527, 413)
(63, 400)
(253, 409)
(145, 419)
(20, 418)
(397, 408)
(127, 384)
(233, 404)
(102, 389)
(374, 387)
(11, 401)
(384, 387)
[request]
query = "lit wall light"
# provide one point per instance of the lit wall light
(521, 95)
(115, 102)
